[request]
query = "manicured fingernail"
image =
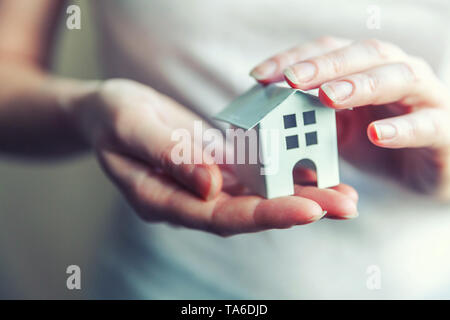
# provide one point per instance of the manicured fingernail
(264, 70)
(337, 91)
(302, 72)
(385, 131)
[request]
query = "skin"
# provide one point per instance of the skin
(128, 126)
(394, 113)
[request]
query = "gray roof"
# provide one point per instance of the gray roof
(249, 109)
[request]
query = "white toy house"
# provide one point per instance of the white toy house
(306, 131)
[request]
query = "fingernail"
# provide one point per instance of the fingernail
(301, 72)
(352, 216)
(385, 131)
(214, 188)
(351, 206)
(203, 181)
(337, 91)
(264, 70)
(317, 217)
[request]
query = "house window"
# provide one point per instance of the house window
(309, 117)
(291, 142)
(290, 121)
(311, 138)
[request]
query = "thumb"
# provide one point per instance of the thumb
(151, 140)
(186, 162)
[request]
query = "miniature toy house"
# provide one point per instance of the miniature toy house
(304, 128)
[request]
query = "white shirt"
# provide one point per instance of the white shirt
(200, 53)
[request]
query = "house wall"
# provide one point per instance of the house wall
(324, 155)
(250, 173)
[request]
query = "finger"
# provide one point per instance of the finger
(231, 183)
(252, 214)
(304, 176)
(174, 152)
(422, 128)
(153, 138)
(271, 70)
(155, 129)
(347, 190)
(132, 97)
(178, 116)
(158, 198)
(356, 57)
(336, 204)
(380, 85)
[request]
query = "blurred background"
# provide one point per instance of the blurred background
(54, 214)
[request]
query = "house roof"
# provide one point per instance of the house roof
(249, 109)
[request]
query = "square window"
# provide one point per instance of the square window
(290, 121)
(291, 142)
(311, 138)
(309, 117)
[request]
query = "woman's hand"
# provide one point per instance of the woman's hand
(407, 118)
(130, 126)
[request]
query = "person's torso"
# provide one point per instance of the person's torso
(200, 53)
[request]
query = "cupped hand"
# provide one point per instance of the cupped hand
(403, 127)
(130, 126)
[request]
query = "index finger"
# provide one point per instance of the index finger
(271, 70)
(356, 57)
